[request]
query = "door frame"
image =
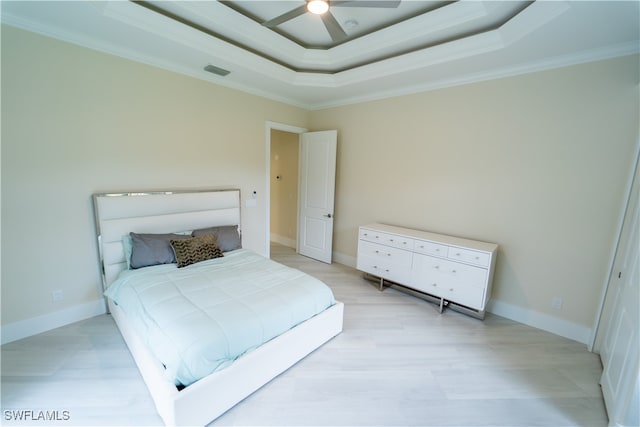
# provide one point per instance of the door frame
(594, 341)
(269, 126)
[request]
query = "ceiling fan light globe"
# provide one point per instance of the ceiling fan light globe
(318, 7)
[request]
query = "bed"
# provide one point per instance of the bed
(204, 398)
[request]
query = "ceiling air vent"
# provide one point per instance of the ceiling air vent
(216, 70)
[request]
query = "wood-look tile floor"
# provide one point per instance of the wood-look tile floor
(398, 362)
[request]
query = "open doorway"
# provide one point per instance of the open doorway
(283, 181)
(310, 190)
(275, 131)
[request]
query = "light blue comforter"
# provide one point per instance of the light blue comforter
(199, 319)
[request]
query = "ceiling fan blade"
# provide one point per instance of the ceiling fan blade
(301, 10)
(335, 30)
(367, 3)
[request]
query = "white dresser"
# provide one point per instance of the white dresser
(454, 272)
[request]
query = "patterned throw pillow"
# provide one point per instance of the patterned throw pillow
(196, 249)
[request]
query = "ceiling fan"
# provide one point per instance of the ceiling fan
(336, 32)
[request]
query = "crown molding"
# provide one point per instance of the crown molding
(281, 77)
(610, 52)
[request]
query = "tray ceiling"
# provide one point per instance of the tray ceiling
(361, 50)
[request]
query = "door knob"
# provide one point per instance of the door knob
(327, 215)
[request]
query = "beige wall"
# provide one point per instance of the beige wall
(75, 122)
(284, 192)
(536, 163)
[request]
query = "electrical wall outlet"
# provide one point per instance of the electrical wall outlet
(556, 303)
(57, 295)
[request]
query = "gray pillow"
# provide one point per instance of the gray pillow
(227, 236)
(153, 249)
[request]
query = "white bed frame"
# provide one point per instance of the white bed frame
(117, 214)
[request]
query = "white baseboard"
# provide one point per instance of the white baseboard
(541, 321)
(290, 243)
(525, 316)
(36, 325)
(348, 260)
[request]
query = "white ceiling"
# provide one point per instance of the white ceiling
(412, 46)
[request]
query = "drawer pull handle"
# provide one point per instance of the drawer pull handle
(434, 284)
(388, 254)
(458, 254)
(451, 290)
(453, 271)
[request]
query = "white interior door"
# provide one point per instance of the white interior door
(317, 191)
(619, 327)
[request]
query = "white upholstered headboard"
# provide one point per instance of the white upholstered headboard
(118, 214)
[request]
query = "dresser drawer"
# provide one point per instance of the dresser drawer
(374, 236)
(467, 255)
(431, 269)
(466, 275)
(401, 242)
(469, 296)
(432, 288)
(430, 248)
(386, 239)
(381, 269)
(465, 295)
(385, 254)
